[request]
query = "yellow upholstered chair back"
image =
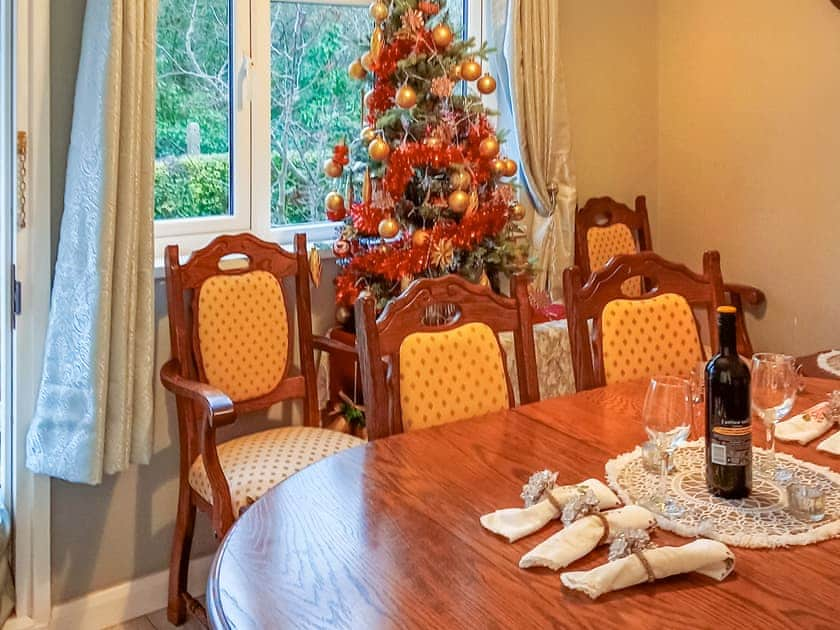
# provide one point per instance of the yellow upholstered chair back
(604, 243)
(451, 375)
(243, 333)
(432, 355)
(643, 338)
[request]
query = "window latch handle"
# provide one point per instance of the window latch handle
(246, 88)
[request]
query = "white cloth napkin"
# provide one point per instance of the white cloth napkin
(802, 430)
(707, 557)
(515, 523)
(831, 444)
(582, 536)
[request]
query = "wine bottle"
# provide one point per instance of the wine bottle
(728, 426)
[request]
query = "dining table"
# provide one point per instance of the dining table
(387, 535)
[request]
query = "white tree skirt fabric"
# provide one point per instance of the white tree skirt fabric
(759, 521)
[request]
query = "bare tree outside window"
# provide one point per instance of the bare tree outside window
(313, 101)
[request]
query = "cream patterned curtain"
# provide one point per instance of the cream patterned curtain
(94, 409)
(532, 104)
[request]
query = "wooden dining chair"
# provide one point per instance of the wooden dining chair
(433, 355)
(605, 228)
(616, 337)
(231, 354)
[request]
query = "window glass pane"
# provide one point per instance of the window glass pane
(313, 100)
(192, 169)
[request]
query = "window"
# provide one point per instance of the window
(251, 96)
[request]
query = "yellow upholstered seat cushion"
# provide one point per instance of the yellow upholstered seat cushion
(643, 338)
(255, 463)
(243, 333)
(451, 375)
(605, 242)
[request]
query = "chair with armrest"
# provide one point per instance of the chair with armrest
(605, 228)
(433, 355)
(231, 354)
(617, 337)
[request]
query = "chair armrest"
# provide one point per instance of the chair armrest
(749, 294)
(218, 406)
(331, 345)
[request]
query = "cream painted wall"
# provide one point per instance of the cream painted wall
(121, 530)
(749, 138)
(610, 58)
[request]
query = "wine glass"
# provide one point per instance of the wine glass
(667, 417)
(773, 392)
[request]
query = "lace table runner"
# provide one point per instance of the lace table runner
(759, 521)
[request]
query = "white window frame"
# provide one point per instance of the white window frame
(251, 136)
(31, 492)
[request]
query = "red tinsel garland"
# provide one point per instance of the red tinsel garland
(410, 260)
(341, 154)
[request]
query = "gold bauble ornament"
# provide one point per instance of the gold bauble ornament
(366, 61)
(510, 168)
(367, 135)
(489, 147)
(484, 280)
(517, 212)
(342, 314)
(379, 150)
(334, 202)
(442, 35)
(486, 84)
(498, 167)
(357, 70)
(419, 238)
(458, 201)
(406, 97)
(433, 142)
(389, 227)
(470, 70)
(460, 179)
(378, 11)
(333, 169)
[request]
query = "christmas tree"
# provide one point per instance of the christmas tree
(435, 191)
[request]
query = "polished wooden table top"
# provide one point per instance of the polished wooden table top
(387, 535)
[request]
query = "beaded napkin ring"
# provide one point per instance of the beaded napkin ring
(538, 485)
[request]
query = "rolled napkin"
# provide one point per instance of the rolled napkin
(707, 557)
(830, 444)
(806, 426)
(515, 523)
(582, 536)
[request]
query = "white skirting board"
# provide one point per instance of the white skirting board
(125, 601)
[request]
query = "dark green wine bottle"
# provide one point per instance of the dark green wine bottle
(728, 429)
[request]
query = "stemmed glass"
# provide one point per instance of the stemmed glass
(773, 392)
(667, 417)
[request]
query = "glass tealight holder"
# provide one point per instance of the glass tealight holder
(652, 456)
(806, 502)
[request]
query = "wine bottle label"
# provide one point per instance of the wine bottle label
(731, 446)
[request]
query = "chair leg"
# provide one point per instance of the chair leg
(179, 562)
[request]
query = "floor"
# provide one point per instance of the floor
(156, 621)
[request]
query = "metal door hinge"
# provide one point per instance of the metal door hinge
(16, 297)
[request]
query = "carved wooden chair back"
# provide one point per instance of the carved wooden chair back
(230, 327)
(654, 331)
(433, 355)
(605, 228)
